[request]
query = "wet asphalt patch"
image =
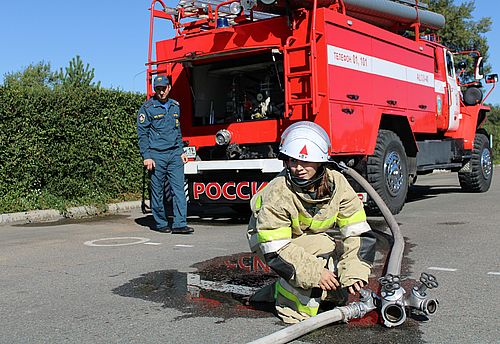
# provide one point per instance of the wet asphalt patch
(170, 288)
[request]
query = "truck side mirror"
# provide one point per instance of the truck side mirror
(462, 65)
(478, 73)
(492, 78)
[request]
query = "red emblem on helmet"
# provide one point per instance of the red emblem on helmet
(304, 150)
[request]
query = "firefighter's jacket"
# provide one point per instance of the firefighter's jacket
(282, 212)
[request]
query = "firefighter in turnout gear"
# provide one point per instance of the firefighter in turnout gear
(289, 222)
(161, 146)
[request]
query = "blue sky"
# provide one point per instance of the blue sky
(112, 36)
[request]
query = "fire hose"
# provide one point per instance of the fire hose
(392, 303)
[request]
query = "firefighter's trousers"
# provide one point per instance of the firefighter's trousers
(168, 167)
(294, 304)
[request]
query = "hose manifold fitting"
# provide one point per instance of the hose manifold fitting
(393, 305)
(418, 300)
(419, 304)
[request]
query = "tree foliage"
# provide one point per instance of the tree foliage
(35, 75)
(77, 74)
(462, 32)
(493, 128)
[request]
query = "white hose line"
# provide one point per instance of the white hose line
(396, 255)
(297, 330)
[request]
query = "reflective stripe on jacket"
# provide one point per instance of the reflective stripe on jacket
(301, 303)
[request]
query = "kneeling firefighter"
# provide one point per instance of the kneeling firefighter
(289, 222)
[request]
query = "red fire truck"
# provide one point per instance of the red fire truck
(392, 98)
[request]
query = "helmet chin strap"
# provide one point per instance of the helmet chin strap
(304, 183)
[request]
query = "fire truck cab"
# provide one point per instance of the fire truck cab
(388, 93)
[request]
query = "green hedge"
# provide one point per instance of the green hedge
(64, 146)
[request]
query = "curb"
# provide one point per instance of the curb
(74, 213)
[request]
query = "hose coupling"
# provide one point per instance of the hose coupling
(223, 137)
(357, 310)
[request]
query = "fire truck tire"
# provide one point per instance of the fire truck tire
(387, 172)
(480, 170)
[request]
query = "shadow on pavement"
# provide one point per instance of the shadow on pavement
(422, 192)
(213, 215)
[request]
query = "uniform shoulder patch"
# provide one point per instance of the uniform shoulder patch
(142, 118)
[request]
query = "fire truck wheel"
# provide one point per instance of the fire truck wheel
(479, 172)
(387, 172)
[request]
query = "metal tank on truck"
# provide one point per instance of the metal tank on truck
(390, 97)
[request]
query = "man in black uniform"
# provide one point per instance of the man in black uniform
(161, 147)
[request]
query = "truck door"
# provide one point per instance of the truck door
(453, 93)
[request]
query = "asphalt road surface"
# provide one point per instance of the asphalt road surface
(111, 279)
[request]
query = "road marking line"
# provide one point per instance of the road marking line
(194, 280)
(181, 245)
(440, 269)
(493, 273)
(152, 243)
(138, 240)
(218, 249)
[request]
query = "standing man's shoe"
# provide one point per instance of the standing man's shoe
(183, 230)
(163, 230)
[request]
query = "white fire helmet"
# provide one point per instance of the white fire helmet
(305, 141)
